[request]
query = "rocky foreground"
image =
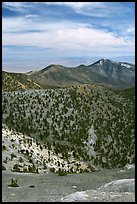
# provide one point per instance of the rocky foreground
(114, 185)
(116, 191)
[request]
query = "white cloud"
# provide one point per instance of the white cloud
(131, 30)
(15, 6)
(62, 36)
(71, 4)
(74, 4)
(31, 16)
(66, 38)
(86, 8)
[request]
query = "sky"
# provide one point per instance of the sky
(37, 34)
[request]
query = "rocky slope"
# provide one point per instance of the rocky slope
(122, 190)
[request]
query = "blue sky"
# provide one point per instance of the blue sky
(35, 34)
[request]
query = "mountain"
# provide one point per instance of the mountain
(118, 75)
(104, 71)
(17, 81)
(57, 75)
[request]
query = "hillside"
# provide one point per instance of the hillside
(86, 125)
(17, 81)
(21, 153)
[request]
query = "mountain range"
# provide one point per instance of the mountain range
(118, 75)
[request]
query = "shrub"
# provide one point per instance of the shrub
(13, 145)
(13, 183)
(31, 186)
(33, 169)
(20, 159)
(13, 156)
(16, 168)
(3, 168)
(3, 147)
(5, 161)
(25, 169)
(12, 140)
(61, 172)
(52, 170)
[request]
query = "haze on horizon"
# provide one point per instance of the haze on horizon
(37, 34)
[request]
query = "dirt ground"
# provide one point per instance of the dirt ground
(53, 188)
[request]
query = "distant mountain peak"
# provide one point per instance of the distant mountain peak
(52, 67)
(102, 62)
(81, 66)
(107, 61)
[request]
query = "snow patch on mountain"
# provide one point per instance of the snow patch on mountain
(126, 65)
(101, 62)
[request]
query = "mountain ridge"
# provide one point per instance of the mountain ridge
(118, 75)
(104, 71)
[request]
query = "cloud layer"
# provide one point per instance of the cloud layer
(66, 29)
